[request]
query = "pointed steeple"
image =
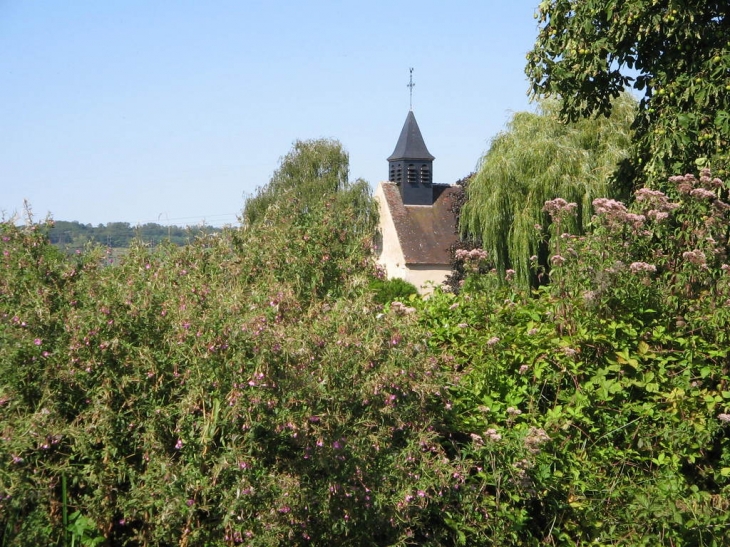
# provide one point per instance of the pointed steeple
(411, 165)
(410, 144)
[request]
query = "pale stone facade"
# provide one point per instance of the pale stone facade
(414, 240)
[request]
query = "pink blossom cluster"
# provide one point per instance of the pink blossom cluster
(401, 309)
(492, 435)
(559, 208)
(475, 255)
(535, 437)
(702, 188)
(638, 267)
(702, 193)
(616, 214)
(655, 203)
(695, 257)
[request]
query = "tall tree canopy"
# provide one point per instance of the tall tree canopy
(677, 52)
(311, 170)
(538, 158)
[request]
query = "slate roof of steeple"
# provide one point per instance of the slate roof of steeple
(410, 144)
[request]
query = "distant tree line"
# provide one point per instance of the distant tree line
(74, 235)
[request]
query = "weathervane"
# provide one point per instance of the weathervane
(410, 86)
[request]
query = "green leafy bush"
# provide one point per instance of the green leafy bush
(389, 290)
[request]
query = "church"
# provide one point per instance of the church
(417, 224)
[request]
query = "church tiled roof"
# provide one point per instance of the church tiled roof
(425, 233)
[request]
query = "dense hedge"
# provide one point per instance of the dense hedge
(247, 389)
(241, 389)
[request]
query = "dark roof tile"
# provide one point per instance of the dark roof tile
(425, 233)
(410, 145)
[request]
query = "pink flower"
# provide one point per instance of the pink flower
(492, 341)
(695, 257)
(701, 193)
(37, 342)
(637, 267)
(559, 207)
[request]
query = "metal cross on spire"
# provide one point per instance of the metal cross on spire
(411, 85)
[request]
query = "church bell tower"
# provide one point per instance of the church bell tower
(410, 164)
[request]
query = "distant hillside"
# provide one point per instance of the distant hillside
(74, 235)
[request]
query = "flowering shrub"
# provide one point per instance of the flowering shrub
(247, 389)
(241, 390)
(596, 412)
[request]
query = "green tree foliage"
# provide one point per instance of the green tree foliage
(676, 53)
(313, 169)
(309, 210)
(537, 158)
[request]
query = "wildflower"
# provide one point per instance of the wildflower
(534, 438)
(523, 369)
(570, 352)
(37, 342)
(512, 411)
(725, 418)
(637, 267)
(492, 435)
(557, 260)
(558, 207)
(701, 193)
(657, 216)
(657, 202)
(605, 206)
(492, 341)
(477, 439)
(533, 331)
(509, 275)
(178, 444)
(463, 325)
(637, 221)
(401, 309)
(695, 257)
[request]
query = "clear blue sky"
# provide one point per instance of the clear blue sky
(161, 111)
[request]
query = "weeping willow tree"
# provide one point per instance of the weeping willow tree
(312, 169)
(537, 158)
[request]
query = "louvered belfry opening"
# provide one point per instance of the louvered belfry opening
(410, 165)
